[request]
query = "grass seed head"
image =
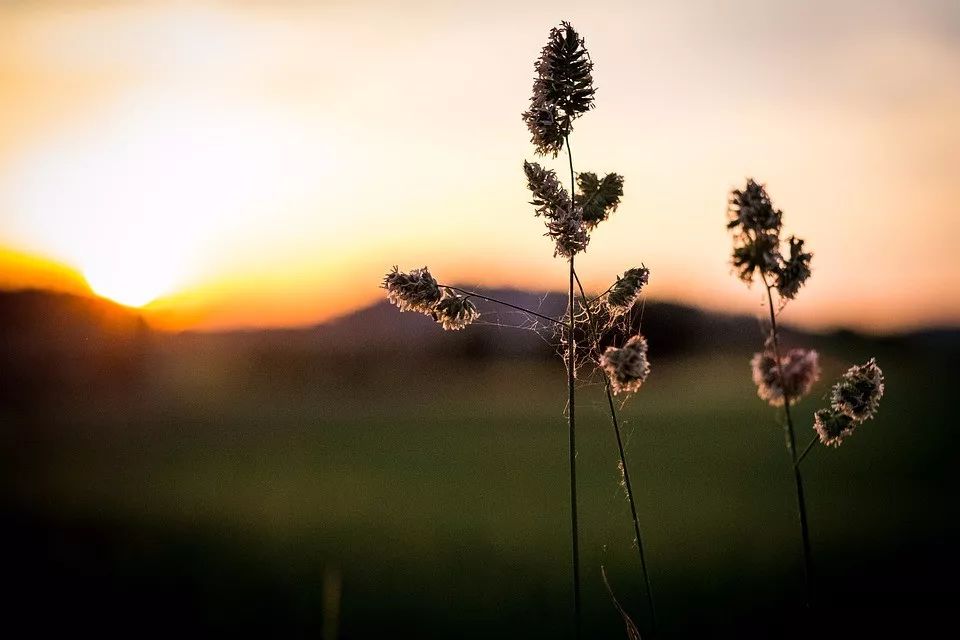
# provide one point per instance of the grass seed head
(569, 234)
(833, 426)
(627, 367)
(454, 312)
(562, 89)
(598, 197)
(756, 253)
(413, 291)
(793, 271)
(858, 392)
(750, 209)
(800, 369)
(627, 289)
(549, 197)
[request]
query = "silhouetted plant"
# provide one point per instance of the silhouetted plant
(853, 401)
(562, 92)
(783, 379)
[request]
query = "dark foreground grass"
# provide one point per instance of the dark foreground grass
(218, 495)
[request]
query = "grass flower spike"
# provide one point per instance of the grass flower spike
(454, 312)
(833, 426)
(794, 271)
(569, 220)
(793, 378)
(627, 367)
(598, 198)
(564, 220)
(853, 401)
(414, 291)
(750, 210)
(627, 289)
(549, 197)
(562, 90)
(756, 254)
(858, 392)
(569, 235)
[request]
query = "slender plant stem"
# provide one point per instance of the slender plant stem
(597, 297)
(792, 450)
(474, 294)
(803, 455)
(571, 422)
(623, 466)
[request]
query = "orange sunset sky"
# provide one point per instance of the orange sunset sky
(231, 164)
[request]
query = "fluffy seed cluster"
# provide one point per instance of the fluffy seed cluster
(598, 198)
(562, 89)
(750, 209)
(565, 225)
(627, 289)
(550, 199)
(858, 392)
(799, 369)
(759, 253)
(418, 291)
(756, 225)
(854, 399)
(833, 426)
(414, 291)
(454, 312)
(569, 235)
(793, 271)
(626, 367)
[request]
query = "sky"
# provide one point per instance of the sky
(238, 164)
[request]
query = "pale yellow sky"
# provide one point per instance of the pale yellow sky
(266, 162)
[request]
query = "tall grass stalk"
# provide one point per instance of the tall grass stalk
(562, 92)
(784, 378)
(790, 437)
(572, 417)
(624, 468)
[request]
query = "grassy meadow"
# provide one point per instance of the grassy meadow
(245, 492)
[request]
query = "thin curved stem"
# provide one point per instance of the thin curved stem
(792, 450)
(623, 466)
(807, 450)
(597, 297)
(571, 422)
(474, 294)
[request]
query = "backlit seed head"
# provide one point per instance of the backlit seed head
(800, 369)
(569, 234)
(413, 291)
(564, 221)
(627, 289)
(752, 254)
(858, 392)
(598, 197)
(793, 271)
(454, 311)
(562, 90)
(549, 197)
(833, 426)
(626, 367)
(750, 209)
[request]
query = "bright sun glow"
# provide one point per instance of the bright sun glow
(134, 280)
(148, 201)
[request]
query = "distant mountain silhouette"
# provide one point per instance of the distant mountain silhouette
(52, 341)
(669, 327)
(20, 270)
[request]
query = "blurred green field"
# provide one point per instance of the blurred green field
(218, 495)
